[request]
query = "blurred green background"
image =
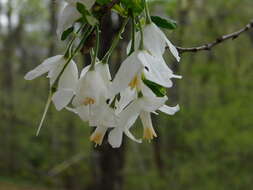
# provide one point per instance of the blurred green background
(207, 145)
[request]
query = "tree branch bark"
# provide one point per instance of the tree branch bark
(209, 46)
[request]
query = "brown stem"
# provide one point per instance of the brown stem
(209, 46)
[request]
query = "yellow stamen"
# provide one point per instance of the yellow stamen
(149, 133)
(134, 83)
(88, 101)
(97, 138)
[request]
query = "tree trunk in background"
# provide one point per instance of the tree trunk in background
(108, 163)
(157, 148)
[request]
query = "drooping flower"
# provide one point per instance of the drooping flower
(142, 106)
(67, 81)
(70, 14)
(155, 42)
(91, 100)
(138, 63)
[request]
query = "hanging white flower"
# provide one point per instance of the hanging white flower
(155, 41)
(91, 100)
(67, 81)
(143, 107)
(138, 63)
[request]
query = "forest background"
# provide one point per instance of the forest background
(207, 145)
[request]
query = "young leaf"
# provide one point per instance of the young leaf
(164, 23)
(66, 33)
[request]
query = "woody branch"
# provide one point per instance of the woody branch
(209, 46)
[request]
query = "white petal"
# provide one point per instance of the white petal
(69, 77)
(84, 71)
(129, 115)
(131, 136)
(73, 110)
(67, 18)
(98, 135)
(127, 96)
(173, 50)
(103, 115)
(104, 71)
(150, 104)
(156, 70)
(155, 41)
(54, 73)
(115, 137)
(169, 110)
(128, 70)
(62, 98)
(44, 67)
(83, 112)
(92, 86)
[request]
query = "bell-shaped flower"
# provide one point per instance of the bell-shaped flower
(128, 118)
(143, 107)
(70, 14)
(141, 62)
(91, 100)
(67, 81)
(91, 91)
(155, 41)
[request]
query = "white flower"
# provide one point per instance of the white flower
(90, 102)
(138, 63)
(134, 108)
(128, 117)
(70, 14)
(155, 41)
(91, 91)
(67, 82)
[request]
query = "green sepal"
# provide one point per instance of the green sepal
(157, 89)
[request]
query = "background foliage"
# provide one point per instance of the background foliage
(207, 145)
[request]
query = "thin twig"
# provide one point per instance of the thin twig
(66, 164)
(209, 46)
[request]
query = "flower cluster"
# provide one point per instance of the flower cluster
(110, 105)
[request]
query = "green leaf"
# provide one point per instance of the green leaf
(137, 6)
(158, 90)
(164, 23)
(66, 33)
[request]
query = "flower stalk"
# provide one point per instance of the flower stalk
(115, 42)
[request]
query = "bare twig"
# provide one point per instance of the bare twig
(209, 46)
(66, 164)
